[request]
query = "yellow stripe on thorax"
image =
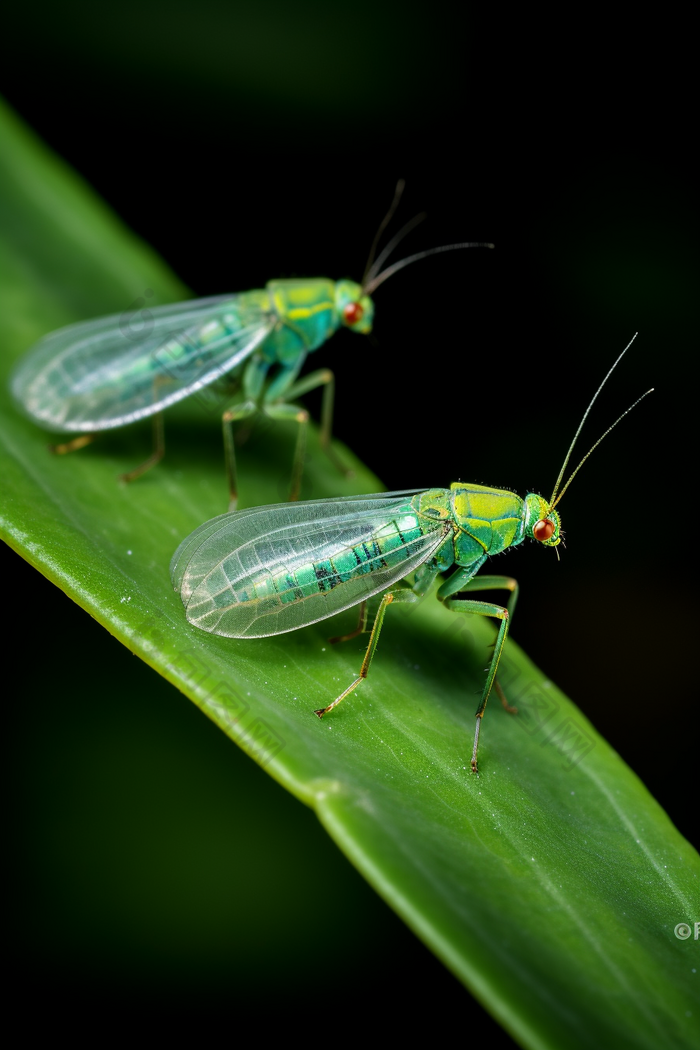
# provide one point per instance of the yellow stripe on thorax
(299, 313)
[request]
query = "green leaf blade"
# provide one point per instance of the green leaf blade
(552, 883)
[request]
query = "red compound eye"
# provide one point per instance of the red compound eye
(543, 530)
(353, 313)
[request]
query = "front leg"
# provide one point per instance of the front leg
(325, 378)
(464, 581)
(297, 415)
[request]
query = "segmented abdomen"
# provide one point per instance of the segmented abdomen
(381, 549)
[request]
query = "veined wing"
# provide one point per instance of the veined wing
(100, 374)
(273, 569)
(237, 527)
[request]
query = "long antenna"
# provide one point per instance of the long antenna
(400, 186)
(386, 252)
(585, 416)
(626, 412)
(391, 270)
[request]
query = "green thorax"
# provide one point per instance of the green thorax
(309, 311)
(484, 521)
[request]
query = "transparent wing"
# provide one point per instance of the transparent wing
(240, 526)
(273, 569)
(101, 374)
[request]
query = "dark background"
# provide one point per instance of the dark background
(250, 141)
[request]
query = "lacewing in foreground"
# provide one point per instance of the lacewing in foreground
(274, 569)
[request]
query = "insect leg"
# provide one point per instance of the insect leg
(465, 580)
(497, 583)
(74, 445)
(467, 605)
(242, 411)
(423, 581)
(503, 698)
(399, 595)
(424, 578)
(360, 629)
(300, 416)
(155, 456)
(325, 378)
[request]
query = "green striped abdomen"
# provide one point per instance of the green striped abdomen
(100, 374)
(183, 357)
(381, 549)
